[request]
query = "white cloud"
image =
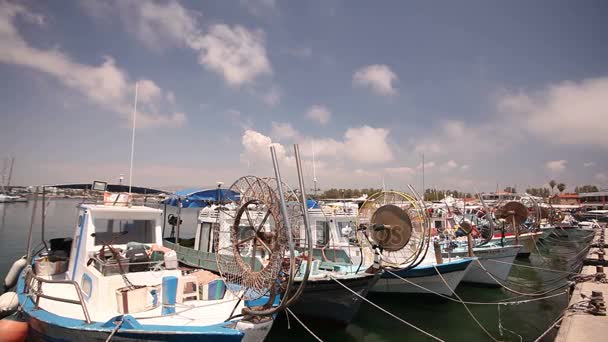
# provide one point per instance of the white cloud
(319, 114)
(257, 148)
(378, 77)
(449, 165)
(105, 85)
(558, 110)
(368, 145)
(283, 131)
(402, 170)
(589, 164)
(556, 166)
(427, 165)
(236, 53)
(601, 177)
(260, 7)
(361, 144)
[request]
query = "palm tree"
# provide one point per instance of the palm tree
(552, 184)
(561, 187)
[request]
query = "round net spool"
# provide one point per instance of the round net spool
(397, 225)
(514, 213)
(251, 243)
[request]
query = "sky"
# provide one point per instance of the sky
(492, 93)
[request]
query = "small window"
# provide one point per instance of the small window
(86, 285)
(322, 231)
(123, 231)
(438, 224)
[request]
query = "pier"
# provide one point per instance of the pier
(585, 318)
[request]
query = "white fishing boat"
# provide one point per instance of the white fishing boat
(526, 240)
(427, 277)
(492, 266)
(114, 279)
(4, 198)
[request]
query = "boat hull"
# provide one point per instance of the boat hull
(327, 300)
(527, 241)
(426, 278)
(497, 261)
(47, 326)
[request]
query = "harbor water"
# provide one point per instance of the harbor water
(445, 319)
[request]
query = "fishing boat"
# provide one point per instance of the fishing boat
(5, 198)
(427, 277)
(493, 263)
(322, 298)
(527, 241)
(397, 227)
(113, 279)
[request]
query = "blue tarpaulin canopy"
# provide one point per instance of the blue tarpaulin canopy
(312, 204)
(200, 198)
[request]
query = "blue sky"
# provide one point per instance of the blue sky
(512, 93)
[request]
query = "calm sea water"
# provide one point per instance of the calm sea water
(442, 318)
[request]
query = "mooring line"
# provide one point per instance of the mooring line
(303, 325)
(504, 302)
(512, 290)
(502, 327)
(533, 267)
(465, 306)
(387, 312)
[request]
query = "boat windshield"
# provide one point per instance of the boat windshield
(118, 232)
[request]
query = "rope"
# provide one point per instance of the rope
(530, 294)
(115, 329)
(505, 302)
(387, 312)
(549, 329)
(463, 304)
(303, 325)
(502, 327)
(532, 267)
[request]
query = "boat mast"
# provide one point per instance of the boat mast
(133, 139)
(423, 192)
(314, 170)
(10, 175)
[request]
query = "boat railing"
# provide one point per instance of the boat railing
(111, 267)
(33, 288)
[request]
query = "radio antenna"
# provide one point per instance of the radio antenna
(314, 169)
(133, 138)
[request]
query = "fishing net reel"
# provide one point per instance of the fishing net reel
(251, 244)
(397, 225)
(513, 215)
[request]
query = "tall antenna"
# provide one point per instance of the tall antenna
(133, 138)
(423, 176)
(314, 169)
(10, 175)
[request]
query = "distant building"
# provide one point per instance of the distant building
(594, 200)
(567, 199)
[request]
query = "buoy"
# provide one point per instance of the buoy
(13, 274)
(8, 304)
(13, 330)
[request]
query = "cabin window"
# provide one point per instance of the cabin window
(86, 285)
(204, 236)
(322, 233)
(119, 232)
(341, 225)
